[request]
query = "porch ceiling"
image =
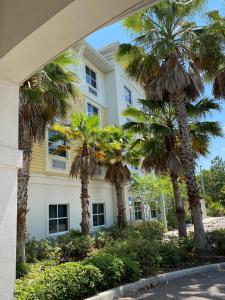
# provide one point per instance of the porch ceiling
(33, 32)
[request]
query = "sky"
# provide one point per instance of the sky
(117, 33)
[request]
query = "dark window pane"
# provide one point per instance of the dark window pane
(63, 225)
(127, 93)
(153, 213)
(101, 220)
(90, 77)
(52, 226)
(95, 220)
(94, 209)
(62, 210)
(101, 208)
(52, 211)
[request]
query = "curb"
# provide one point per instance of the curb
(121, 291)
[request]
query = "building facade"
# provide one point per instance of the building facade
(54, 198)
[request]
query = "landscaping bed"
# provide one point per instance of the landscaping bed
(75, 267)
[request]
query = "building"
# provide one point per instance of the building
(53, 197)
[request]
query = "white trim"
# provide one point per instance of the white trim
(93, 103)
(47, 203)
(96, 74)
(66, 181)
(97, 201)
(49, 158)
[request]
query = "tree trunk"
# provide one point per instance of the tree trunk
(85, 222)
(188, 161)
(182, 231)
(22, 196)
(121, 219)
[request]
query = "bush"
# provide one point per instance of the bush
(142, 251)
(216, 240)
(75, 246)
(110, 266)
(22, 269)
(41, 250)
(102, 237)
(152, 231)
(169, 254)
(215, 209)
(67, 281)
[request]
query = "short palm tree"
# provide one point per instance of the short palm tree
(43, 97)
(163, 58)
(82, 131)
(117, 158)
(159, 140)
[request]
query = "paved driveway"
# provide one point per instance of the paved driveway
(197, 287)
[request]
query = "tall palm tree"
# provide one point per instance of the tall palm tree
(43, 97)
(82, 131)
(213, 36)
(117, 158)
(162, 57)
(160, 144)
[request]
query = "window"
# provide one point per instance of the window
(153, 213)
(137, 211)
(91, 77)
(98, 212)
(92, 110)
(55, 147)
(127, 95)
(58, 218)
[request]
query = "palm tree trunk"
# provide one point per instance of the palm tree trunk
(201, 243)
(85, 222)
(22, 196)
(182, 231)
(121, 219)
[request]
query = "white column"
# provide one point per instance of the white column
(163, 211)
(10, 160)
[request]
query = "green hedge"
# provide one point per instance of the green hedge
(111, 267)
(216, 240)
(64, 282)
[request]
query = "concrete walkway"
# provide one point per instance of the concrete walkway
(203, 286)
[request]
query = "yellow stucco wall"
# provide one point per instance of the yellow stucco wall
(39, 156)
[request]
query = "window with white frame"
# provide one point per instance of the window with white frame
(92, 110)
(58, 218)
(98, 214)
(127, 95)
(55, 146)
(137, 210)
(91, 78)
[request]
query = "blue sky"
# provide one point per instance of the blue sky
(116, 33)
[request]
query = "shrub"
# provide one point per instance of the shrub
(66, 281)
(142, 251)
(216, 240)
(152, 231)
(41, 250)
(185, 247)
(75, 246)
(132, 269)
(102, 237)
(215, 209)
(169, 254)
(22, 269)
(111, 267)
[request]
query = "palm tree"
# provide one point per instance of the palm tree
(159, 140)
(213, 36)
(43, 97)
(117, 157)
(162, 58)
(82, 131)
